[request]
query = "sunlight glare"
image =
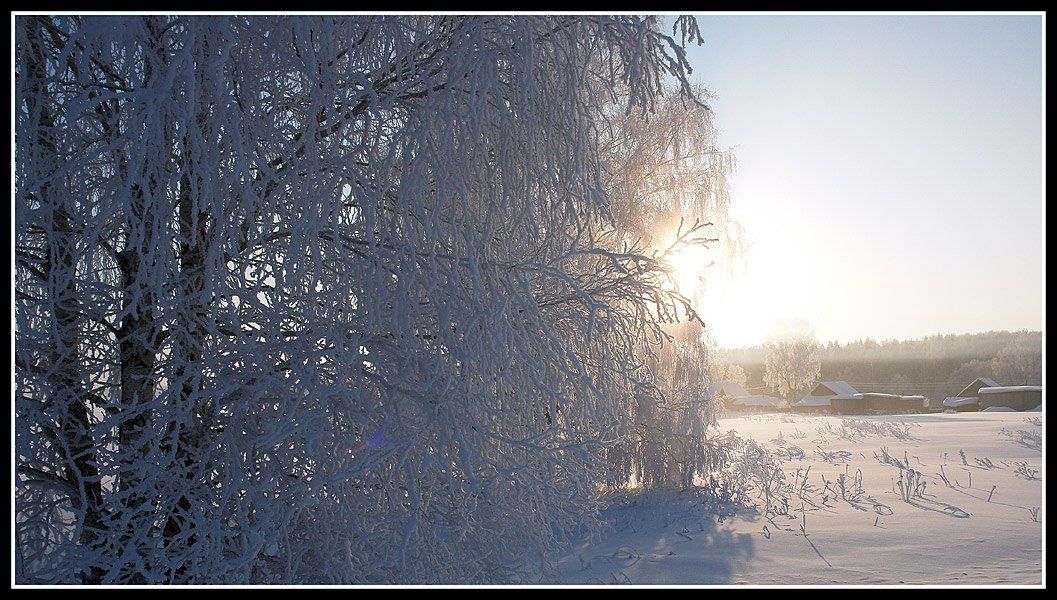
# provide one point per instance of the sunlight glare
(688, 269)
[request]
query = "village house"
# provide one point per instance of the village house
(735, 397)
(967, 399)
(820, 397)
(1017, 397)
(873, 402)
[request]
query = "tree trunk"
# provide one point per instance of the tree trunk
(75, 428)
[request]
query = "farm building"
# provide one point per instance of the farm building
(967, 399)
(819, 398)
(757, 403)
(979, 382)
(1017, 397)
(726, 391)
(735, 397)
(872, 402)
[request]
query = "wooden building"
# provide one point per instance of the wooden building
(876, 403)
(820, 397)
(1017, 397)
(967, 400)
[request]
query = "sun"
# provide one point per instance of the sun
(688, 269)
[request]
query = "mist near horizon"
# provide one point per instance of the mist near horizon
(884, 340)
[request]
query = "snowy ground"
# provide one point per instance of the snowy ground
(949, 534)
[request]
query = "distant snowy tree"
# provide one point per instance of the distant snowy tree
(969, 371)
(730, 372)
(1020, 361)
(331, 299)
(793, 362)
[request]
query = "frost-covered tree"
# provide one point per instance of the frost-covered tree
(1020, 361)
(327, 299)
(670, 445)
(970, 370)
(668, 170)
(668, 184)
(726, 371)
(793, 358)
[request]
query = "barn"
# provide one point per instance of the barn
(726, 391)
(735, 397)
(755, 402)
(967, 399)
(1017, 397)
(820, 397)
(876, 403)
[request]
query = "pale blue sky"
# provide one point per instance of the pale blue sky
(889, 172)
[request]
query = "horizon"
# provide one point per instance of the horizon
(826, 343)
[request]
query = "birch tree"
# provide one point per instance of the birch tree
(1019, 362)
(729, 372)
(326, 299)
(668, 182)
(793, 358)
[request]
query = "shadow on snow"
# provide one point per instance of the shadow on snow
(660, 538)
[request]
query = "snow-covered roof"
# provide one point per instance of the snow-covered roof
(880, 396)
(877, 395)
(955, 401)
(1003, 389)
(730, 390)
(977, 383)
(759, 401)
(840, 390)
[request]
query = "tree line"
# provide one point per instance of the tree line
(935, 366)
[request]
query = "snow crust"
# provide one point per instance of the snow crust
(977, 530)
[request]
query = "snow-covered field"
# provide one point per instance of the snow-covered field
(977, 529)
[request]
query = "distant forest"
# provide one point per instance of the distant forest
(936, 366)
